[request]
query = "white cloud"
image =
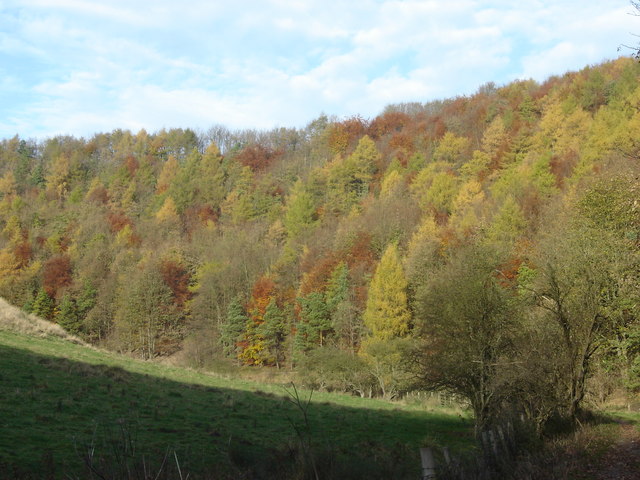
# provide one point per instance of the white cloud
(550, 61)
(90, 65)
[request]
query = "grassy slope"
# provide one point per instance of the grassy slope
(57, 397)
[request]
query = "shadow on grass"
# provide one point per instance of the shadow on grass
(62, 418)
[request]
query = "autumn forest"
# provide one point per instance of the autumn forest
(485, 246)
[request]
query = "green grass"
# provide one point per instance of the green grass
(627, 416)
(57, 399)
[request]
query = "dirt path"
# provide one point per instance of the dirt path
(622, 461)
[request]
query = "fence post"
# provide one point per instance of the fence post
(494, 444)
(486, 445)
(506, 447)
(447, 455)
(428, 464)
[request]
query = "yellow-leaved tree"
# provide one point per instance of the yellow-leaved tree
(168, 213)
(348, 178)
(387, 313)
(300, 210)
(388, 319)
(167, 174)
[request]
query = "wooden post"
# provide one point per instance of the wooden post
(494, 444)
(503, 439)
(447, 455)
(486, 446)
(428, 464)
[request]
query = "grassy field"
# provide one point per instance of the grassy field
(68, 411)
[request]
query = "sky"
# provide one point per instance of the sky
(76, 67)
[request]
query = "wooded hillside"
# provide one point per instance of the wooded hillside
(483, 245)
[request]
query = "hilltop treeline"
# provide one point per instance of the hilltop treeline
(483, 245)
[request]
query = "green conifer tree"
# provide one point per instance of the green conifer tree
(273, 330)
(232, 331)
(315, 322)
(337, 286)
(300, 210)
(43, 305)
(68, 316)
(87, 299)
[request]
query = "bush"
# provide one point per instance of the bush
(333, 369)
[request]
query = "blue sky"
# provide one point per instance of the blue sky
(80, 67)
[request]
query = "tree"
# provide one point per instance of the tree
(87, 298)
(9, 264)
(58, 178)
(467, 208)
(451, 148)
(337, 286)
(97, 192)
(387, 362)
(57, 274)
(167, 174)
(583, 287)
(345, 317)
(387, 312)
(273, 330)
(211, 177)
(466, 325)
(423, 251)
(168, 213)
(315, 322)
(254, 347)
(612, 205)
(178, 278)
(233, 328)
(348, 178)
(8, 186)
(239, 204)
(363, 161)
(43, 305)
(145, 312)
(388, 319)
(37, 176)
(442, 192)
(300, 210)
(68, 315)
(508, 224)
(184, 186)
(391, 183)
(435, 188)
(494, 138)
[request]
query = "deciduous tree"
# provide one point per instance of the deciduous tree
(387, 312)
(388, 319)
(466, 325)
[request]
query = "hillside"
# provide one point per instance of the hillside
(71, 411)
(61, 401)
(13, 319)
(485, 246)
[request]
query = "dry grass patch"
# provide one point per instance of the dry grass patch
(15, 320)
